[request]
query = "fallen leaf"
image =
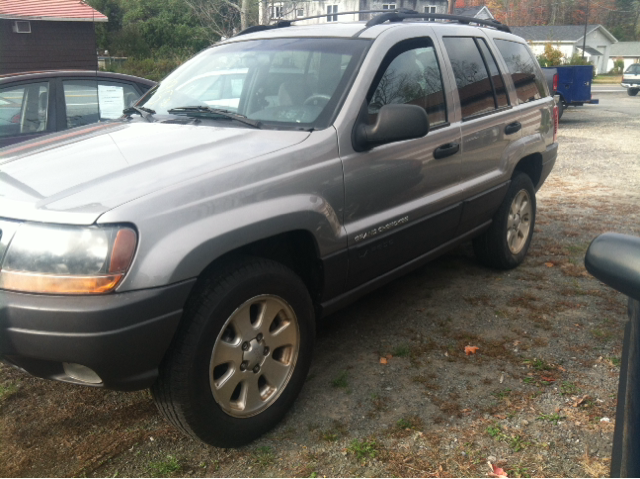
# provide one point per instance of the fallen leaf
(496, 471)
(548, 379)
(562, 369)
(549, 265)
(500, 416)
(470, 350)
(383, 360)
(388, 356)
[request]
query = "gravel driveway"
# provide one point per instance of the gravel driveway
(537, 398)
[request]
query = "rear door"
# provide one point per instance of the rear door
(400, 200)
(488, 125)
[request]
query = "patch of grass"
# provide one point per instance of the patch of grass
(538, 364)
(502, 394)
(335, 432)
(615, 361)
(554, 418)
(341, 380)
(7, 390)
(264, 456)
(601, 334)
(495, 431)
(363, 450)
(518, 471)
(406, 425)
(401, 351)
(568, 389)
(517, 444)
(164, 468)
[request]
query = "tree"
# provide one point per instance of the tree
(551, 57)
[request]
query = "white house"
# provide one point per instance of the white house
(629, 52)
(327, 9)
(569, 39)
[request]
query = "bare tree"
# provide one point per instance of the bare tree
(222, 18)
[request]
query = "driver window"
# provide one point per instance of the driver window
(410, 74)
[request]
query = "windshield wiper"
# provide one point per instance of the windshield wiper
(207, 110)
(140, 110)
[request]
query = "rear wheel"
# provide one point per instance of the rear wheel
(561, 107)
(505, 244)
(241, 356)
(632, 91)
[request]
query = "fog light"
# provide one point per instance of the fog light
(81, 373)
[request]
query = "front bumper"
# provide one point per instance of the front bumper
(121, 336)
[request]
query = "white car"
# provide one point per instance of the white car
(631, 79)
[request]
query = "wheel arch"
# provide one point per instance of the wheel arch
(531, 165)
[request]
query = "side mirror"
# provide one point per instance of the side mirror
(394, 123)
(615, 260)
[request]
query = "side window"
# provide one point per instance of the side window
(90, 101)
(472, 79)
(496, 77)
(524, 71)
(410, 74)
(24, 109)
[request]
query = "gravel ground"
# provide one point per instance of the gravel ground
(537, 398)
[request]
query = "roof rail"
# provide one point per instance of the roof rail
(397, 15)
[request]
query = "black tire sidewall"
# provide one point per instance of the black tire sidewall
(211, 424)
(509, 260)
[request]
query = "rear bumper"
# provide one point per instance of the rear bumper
(548, 160)
(122, 336)
(630, 83)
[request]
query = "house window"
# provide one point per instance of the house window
(332, 9)
(430, 9)
(275, 11)
(388, 6)
(300, 12)
(21, 27)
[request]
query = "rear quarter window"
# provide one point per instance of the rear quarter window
(524, 71)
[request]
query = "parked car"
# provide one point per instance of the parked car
(191, 249)
(573, 85)
(35, 104)
(615, 260)
(631, 79)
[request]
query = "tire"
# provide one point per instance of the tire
(253, 313)
(632, 91)
(561, 107)
(505, 244)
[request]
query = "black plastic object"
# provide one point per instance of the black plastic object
(446, 150)
(400, 16)
(393, 123)
(615, 260)
(512, 128)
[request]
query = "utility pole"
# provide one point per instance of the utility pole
(451, 4)
(586, 23)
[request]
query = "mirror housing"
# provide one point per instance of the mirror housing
(394, 123)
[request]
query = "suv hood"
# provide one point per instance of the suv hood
(75, 176)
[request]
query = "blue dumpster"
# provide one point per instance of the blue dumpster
(573, 85)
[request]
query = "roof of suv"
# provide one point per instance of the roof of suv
(360, 29)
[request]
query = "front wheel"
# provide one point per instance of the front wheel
(505, 244)
(632, 91)
(241, 356)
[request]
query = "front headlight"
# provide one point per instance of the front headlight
(66, 259)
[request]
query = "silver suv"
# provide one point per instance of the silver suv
(272, 179)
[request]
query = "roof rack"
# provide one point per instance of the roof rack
(397, 15)
(400, 15)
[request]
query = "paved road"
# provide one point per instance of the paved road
(608, 88)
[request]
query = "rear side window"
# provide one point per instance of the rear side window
(24, 109)
(478, 79)
(410, 75)
(524, 71)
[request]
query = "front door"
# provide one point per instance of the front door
(401, 197)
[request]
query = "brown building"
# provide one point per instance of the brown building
(38, 35)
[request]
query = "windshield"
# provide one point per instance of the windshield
(282, 83)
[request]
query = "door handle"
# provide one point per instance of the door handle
(446, 150)
(512, 128)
